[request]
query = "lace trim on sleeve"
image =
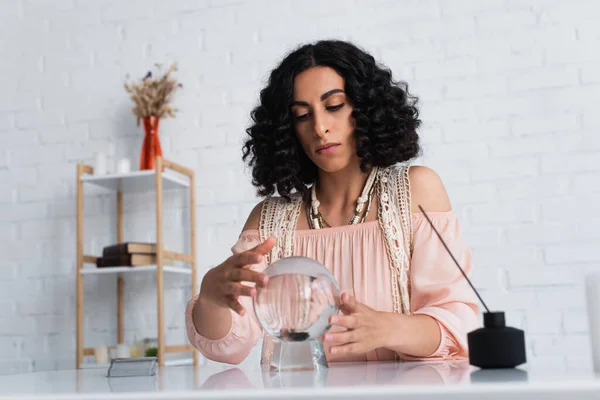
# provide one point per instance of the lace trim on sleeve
(403, 183)
(392, 217)
(279, 218)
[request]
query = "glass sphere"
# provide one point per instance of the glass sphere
(298, 300)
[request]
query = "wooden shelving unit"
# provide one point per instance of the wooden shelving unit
(173, 176)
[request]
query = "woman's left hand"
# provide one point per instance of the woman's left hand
(367, 329)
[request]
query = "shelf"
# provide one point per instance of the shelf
(168, 363)
(167, 175)
(168, 255)
(140, 268)
(137, 181)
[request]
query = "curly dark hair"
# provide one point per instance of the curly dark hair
(386, 117)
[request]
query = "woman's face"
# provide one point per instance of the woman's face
(323, 120)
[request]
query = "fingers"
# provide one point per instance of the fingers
(265, 246)
(254, 255)
(345, 321)
(348, 300)
(347, 349)
(246, 258)
(238, 289)
(341, 337)
(247, 275)
(235, 305)
(348, 303)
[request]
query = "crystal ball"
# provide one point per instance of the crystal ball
(298, 300)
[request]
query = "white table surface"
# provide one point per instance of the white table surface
(374, 380)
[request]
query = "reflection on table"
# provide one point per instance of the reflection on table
(400, 378)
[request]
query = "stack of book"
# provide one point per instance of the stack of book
(127, 254)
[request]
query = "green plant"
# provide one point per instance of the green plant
(151, 352)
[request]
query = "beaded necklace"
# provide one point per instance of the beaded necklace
(316, 219)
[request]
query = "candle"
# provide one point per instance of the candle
(101, 354)
(124, 166)
(122, 351)
(101, 164)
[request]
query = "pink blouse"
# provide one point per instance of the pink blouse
(356, 255)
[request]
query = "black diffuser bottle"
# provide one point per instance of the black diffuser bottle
(495, 345)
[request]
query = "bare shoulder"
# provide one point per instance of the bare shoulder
(427, 190)
(253, 220)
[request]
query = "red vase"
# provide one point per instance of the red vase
(151, 146)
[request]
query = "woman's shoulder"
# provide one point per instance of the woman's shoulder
(427, 190)
(253, 220)
(272, 205)
(424, 186)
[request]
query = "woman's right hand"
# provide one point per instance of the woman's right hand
(222, 285)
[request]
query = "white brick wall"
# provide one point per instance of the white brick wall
(509, 92)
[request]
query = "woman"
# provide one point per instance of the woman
(333, 134)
